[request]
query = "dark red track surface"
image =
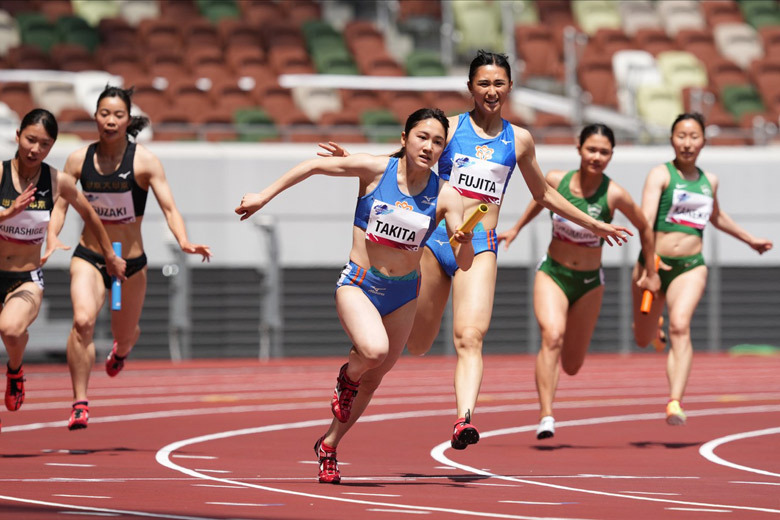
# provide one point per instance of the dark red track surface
(233, 440)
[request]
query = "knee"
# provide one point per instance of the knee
(417, 348)
(571, 367)
(679, 327)
(552, 339)
(83, 327)
(374, 354)
(12, 333)
(129, 338)
(469, 340)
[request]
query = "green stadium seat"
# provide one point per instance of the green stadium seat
(424, 63)
(215, 10)
(592, 15)
(37, 30)
(681, 69)
(74, 29)
(741, 100)
(254, 124)
(479, 24)
(381, 126)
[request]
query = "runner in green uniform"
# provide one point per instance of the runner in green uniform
(569, 282)
(680, 199)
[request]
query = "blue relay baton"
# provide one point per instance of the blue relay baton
(116, 285)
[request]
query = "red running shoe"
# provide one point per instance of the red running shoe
(14, 389)
(114, 363)
(464, 433)
(343, 395)
(329, 466)
(79, 416)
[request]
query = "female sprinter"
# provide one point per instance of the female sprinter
(376, 295)
(482, 150)
(28, 190)
(569, 281)
(115, 175)
(680, 198)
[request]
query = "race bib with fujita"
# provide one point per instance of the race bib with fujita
(690, 209)
(112, 207)
(568, 231)
(397, 226)
(479, 179)
(27, 227)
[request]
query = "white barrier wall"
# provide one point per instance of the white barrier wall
(314, 219)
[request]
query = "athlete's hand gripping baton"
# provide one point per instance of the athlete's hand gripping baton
(472, 221)
(116, 285)
(647, 296)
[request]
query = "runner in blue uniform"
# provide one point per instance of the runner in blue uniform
(481, 153)
(400, 202)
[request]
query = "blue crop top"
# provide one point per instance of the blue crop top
(395, 219)
(479, 168)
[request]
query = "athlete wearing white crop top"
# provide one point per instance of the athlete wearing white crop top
(132, 170)
(680, 199)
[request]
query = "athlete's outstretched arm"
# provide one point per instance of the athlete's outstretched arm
(622, 201)
(57, 219)
(549, 197)
(721, 220)
(553, 178)
(164, 196)
(363, 166)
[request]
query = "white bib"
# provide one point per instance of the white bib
(479, 179)
(28, 227)
(396, 226)
(689, 209)
(113, 207)
(572, 232)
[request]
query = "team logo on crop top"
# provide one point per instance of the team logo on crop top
(594, 210)
(396, 226)
(113, 207)
(690, 209)
(479, 179)
(484, 152)
(27, 227)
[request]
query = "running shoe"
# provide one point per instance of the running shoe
(79, 416)
(329, 466)
(14, 389)
(114, 363)
(659, 343)
(464, 433)
(546, 428)
(343, 395)
(675, 416)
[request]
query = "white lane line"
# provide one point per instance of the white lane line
(218, 486)
(707, 450)
(371, 494)
(205, 457)
(163, 459)
(214, 470)
(69, 465)
(102, 511)
(85, 513)
(396, 511)
(241, 504)
(697, 509)
(524, 502)
(757, 483)
(80, 496)
(490, 484)
(651, 493)
(438, 453)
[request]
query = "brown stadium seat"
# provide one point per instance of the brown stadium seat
(230, 97)
(157, 34)
(17, 96)
(179, 10)
(71, 57)
(359, 101)
(28, 57)
(174, 124)
(78, 121)
(698, 42)
(148, 98)
(300, 11)
(200, 32)
(260, 12)
(653, 41)
(723, 72)
(721, 11)
(240, 33)
(535, 46)
(609, 41)
(596, 77)
(117, 33)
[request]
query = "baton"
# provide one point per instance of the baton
(472, 221)
(647, 296)
(116, 285)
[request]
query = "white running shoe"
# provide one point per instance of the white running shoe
(546, 428)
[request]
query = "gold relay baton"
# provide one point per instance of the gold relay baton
(472, 221)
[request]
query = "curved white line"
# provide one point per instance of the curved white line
(438, 453)
(707, 450)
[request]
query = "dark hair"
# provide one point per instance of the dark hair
(597, 129)
(137, 123)
(690, 115)
(489, 58)
(421, 114)
(44, 117)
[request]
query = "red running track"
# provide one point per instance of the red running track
(233, 440)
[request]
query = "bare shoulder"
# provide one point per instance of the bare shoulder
(554, 177)
(712, 178)
(75, 161)
(659, 174)
(145, 161)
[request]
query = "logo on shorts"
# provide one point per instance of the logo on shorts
(590, 280)
(440, 242)
(692, 262)
(378, 291)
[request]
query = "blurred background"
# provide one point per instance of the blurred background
(238, 91)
